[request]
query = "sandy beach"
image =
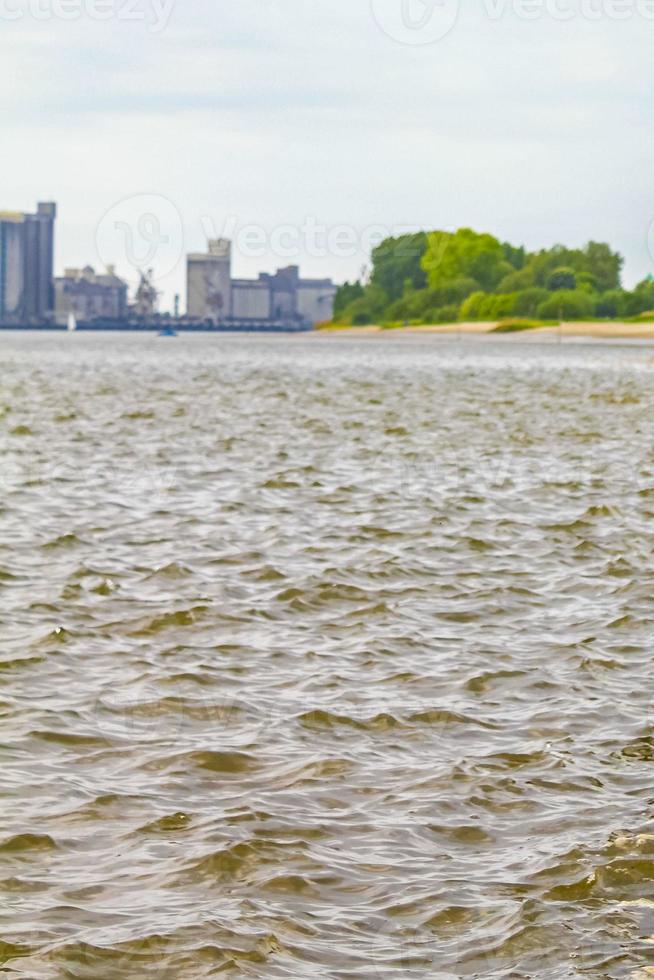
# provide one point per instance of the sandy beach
(593, 330)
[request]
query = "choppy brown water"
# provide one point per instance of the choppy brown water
(325, 659)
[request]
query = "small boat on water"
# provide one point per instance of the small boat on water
(72, 323)
(167, 332)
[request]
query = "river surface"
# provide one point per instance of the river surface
(325, 658)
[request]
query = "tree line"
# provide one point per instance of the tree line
(443, 277)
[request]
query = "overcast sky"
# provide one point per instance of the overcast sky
(302, 128)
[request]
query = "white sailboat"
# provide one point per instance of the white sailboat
(72, 322)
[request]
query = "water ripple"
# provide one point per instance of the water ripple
(325, 658)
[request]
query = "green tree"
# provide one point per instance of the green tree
(612, 303)
(528, 301)
(604, 265)
(641, 300)
(562, 278)
(423, 277)
(425, 304)
(569, 304)
(368, 308)
(464, 254)
(596, 265)
(471, 308)
(488, 306)
(517, 282)
(514, 256)
(398, 261)
(446, 314)
(345, 295)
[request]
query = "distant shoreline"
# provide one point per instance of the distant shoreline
(150, 328)
(595, 330)
(591, 330)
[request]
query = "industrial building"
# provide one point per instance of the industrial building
(89, 296)
(282, 298)
(26, 265)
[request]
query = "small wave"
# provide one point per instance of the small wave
(22, 843)
(63, 541)
(226, 763)
(442, 716)
(321, 719)
(172, 823)
(183, 618)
